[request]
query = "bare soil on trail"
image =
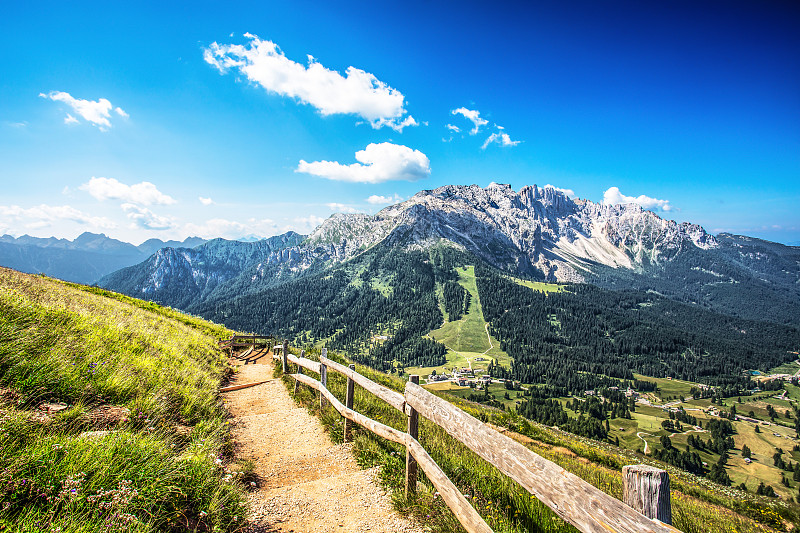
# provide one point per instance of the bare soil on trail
(306, 483)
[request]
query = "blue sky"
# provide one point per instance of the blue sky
(168, 121)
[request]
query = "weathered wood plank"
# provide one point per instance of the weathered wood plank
(646, 489)
(243, 386)
(393, 398)
(576, 501)
(466, 514)
(304, 362)
(323, 378)
(284, 360)
(347, 434)
(411, 463)
(382, 430)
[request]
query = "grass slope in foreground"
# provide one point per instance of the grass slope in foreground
(141, 444)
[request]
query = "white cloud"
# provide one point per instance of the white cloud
(341, 208)
(144, 193)
(472, 115)
(453, 128)
(376, 163)
(231, 229)
(97, 112)
(613, 196)
(569, 192)
(357, 92)
(121, 113)
(500, 138)
(205, 201)
(306, 223)
(44, 215)
(383, 200)
(142, 217)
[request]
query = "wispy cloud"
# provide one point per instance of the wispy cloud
(341, 208)
(143, 218)
(45, 215)
(613, 196)
(232, 229)
(473, 115)
(384, 200)
(500, 138)
(205, 201)
(97, 112)
(357, 92)
(144, 193)
(377, 163)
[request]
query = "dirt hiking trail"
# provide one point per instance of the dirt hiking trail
(306, 482)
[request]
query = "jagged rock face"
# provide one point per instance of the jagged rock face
(536, 231)
(533, 230)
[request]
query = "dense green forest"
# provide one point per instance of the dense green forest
(571, 339)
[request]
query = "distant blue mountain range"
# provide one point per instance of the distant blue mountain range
(84, 260)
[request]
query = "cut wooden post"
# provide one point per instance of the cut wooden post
(348, 402)
(411, 463)
(323, 377)
(284, 353)
(646, 489)
(299, 371)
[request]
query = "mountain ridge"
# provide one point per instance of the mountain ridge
(537, 232)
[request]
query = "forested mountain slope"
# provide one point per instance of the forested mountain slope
(538, 233)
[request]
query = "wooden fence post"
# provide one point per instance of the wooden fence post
(299, 371)
(323, 378)
(284, 353)
(646, 489)
(348, 402)
(413, 431)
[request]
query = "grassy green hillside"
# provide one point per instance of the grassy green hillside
(109, 415)
(467, 340)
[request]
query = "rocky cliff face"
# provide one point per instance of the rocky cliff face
(535, 230)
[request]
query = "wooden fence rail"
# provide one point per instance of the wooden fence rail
(584, 506)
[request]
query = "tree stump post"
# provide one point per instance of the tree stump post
(646, 489)
(285, 361)
(348, 402)
(299, 371)
(413, 431)
(323, 378)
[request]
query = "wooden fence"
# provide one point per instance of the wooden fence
(587, 508)
(239, 341)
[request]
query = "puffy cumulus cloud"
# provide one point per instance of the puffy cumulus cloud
(341, 208)
(45, 215)
(144, 193)
(357, 92)
(613, 196)
(569, 192)
(500, 138)
(97, 112)
(377, 163)
(205, 201)
(231, 229)
(384, 200)
(473, 115)
(143, 218)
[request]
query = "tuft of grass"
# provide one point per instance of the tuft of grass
(141, 443)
